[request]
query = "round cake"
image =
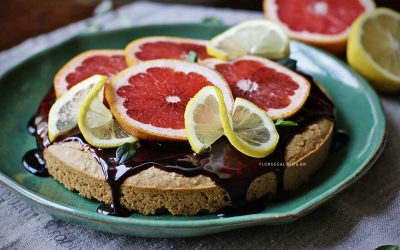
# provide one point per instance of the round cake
(159, 174)
(154, 191)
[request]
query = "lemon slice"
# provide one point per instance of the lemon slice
(205, 115)
(374, 48)
(63, 115)
(97, 124)
(248, 129)
(252, 132)
(256, 37)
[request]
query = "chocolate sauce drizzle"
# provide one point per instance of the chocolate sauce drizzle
(33, 163)
(227, 167)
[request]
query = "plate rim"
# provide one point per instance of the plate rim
(251, 219)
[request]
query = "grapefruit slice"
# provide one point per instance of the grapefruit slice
(87, 64)
(149, 99)
(323, 23)
(163, 47)
(271, 86)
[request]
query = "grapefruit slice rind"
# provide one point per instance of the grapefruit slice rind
(149, 99)
(262, 81)
(325, 24)
(164, 47)
(79, 68)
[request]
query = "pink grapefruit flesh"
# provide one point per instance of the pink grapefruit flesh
(159, 96)
(162, 47)
(322, 23)
(319, 16)
(149, 99)
(87, 64)
(101, 64)
(279, 91)
(169, 50)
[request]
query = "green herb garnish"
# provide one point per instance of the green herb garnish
(192, 56)
(125, 152)
(282, 122)
(212, 20)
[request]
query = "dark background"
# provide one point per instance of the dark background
(21, 19)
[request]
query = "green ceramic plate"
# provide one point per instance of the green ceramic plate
(358, 107)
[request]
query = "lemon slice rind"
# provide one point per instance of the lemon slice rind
(255, 37)
(205, 115)
(63, 115)
(248, 128)
(252, 133)
(360, 58)
(97, 124)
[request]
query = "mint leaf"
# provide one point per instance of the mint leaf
(282, 122)
(192, 56)
(288, 63)
(212, 20)
(125, 152)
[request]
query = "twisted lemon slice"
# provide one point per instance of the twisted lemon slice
(248, 128)
(96, 122)
(63, 115)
